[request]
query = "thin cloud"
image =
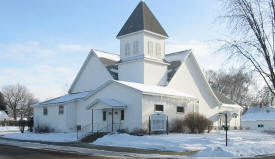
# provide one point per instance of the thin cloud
(204, 52)
(73, 47)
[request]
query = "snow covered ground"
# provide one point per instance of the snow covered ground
(241, 143)
(8, 128)
(48, 137)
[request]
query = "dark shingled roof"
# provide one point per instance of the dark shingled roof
(222, 98)
(110, 66)
(172, 69)
(142, 19)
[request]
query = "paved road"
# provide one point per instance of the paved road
(13, 152)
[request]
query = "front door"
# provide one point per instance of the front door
(116, 124)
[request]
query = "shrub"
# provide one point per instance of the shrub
(9, 123)
(138, 132)
(196, 122)
(43, 129)
(177, 126)
(123, 131)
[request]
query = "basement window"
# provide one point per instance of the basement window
(45, 111)
(260, 125)
(159, 107)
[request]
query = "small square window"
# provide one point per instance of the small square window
(159, 107)
(180, 109)
(104, 116)
(45, 111)
(61, 110)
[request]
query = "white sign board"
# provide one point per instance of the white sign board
(158, 122)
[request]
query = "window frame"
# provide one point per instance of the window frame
(156, 105)
(59, 109)
(45, 111)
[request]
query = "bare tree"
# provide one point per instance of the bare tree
(2, 102)
(26, 110)
(18, 99)
(253, 24)
(263, 98)
(233, 84)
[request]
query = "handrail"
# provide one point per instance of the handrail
(100, 130)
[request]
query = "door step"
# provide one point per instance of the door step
(92, 137)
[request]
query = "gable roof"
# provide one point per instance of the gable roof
(106, 55)
(254, 114)
(183, 56)
(110, 102)
(142, 19)
(152, 89)
(104, 58)
(64, 99)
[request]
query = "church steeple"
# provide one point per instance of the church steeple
(142, 19)
(142, 48)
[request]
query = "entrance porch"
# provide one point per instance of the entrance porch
(107, 115)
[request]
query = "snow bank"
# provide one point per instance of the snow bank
(48, 137)
(8, 128)
(241, 143)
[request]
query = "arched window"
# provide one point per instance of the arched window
(127, 49)
(150, 48)
(158, 50)
(136, 47)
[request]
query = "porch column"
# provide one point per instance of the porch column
(112, 119)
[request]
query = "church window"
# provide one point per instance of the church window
(158, 50)
(159, 107)
(104, 116)
(196, 106)
(135, 47)
(180, 109)
(122, 115)
(61, 109)
(45, 111)
(150, 48)
(127, 49)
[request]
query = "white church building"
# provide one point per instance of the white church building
(112, 92)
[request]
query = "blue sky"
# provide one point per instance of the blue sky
(44, 43)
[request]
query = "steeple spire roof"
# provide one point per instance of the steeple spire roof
(142, 19)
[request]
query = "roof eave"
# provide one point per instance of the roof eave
(140, 31)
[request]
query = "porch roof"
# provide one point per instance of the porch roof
(110, 102)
